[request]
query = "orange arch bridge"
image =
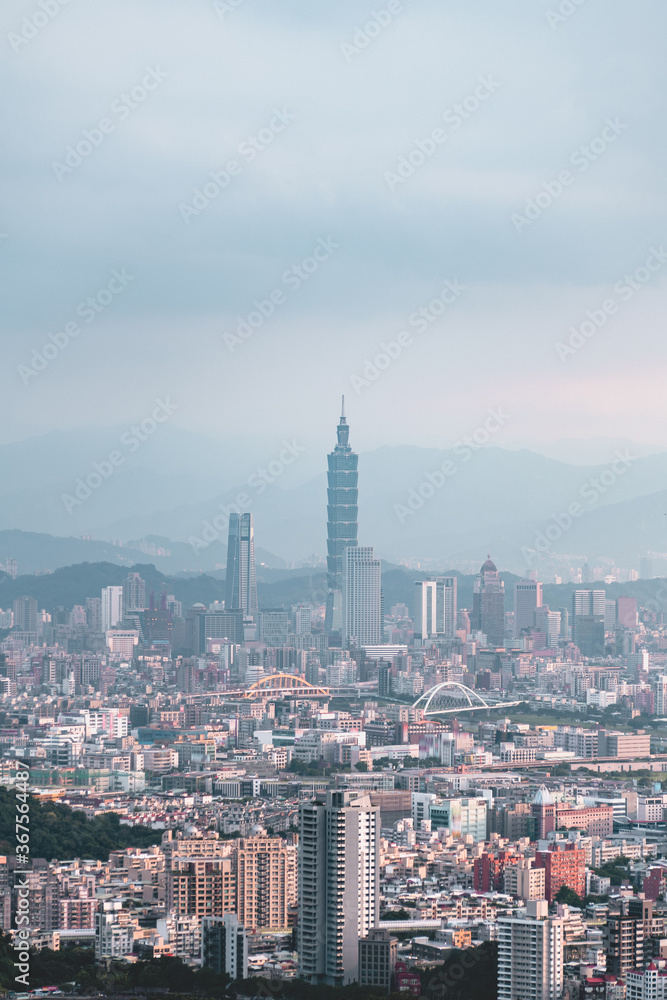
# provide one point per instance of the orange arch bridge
(284, 684)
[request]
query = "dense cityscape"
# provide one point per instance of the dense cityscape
(337, 792)
(333, 500)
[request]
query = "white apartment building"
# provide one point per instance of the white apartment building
(339, 886)
(530, 954)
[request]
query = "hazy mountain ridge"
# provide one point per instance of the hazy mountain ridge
(491, 500)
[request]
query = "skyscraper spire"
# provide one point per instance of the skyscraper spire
(342, 514)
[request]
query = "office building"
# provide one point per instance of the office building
(25, 614)
(274, 627)
(224, 946)
(362, 598)
(266, 883)
(548, 622)
(377, 959)
(240, 578)
(527, 599)
(225, 626)
(342, 520)
(589, 633)
(462, 817)
(614, 744)
(587, 603)
(530, 955)
(303, 619)
(112, 607)
(436, 608)
(626, 612)
(339, 897)
(94, 614)
(134, 593)
(488, 605)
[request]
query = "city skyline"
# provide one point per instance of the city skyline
(333, 480)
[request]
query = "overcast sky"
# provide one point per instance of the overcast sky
(336, 92)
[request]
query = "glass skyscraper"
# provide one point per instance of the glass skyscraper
(342, 519)
(241, 581)
(488, 605)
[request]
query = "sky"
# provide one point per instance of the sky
(498, 165)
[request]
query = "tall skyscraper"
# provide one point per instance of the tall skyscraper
(241, 580)
(362, 597)
(527, 599)
(339, 888)
(25, 614)
(134, 593)
(112, 607)
(436, 607)
(530, 954)
(342, 520)
(488, 604)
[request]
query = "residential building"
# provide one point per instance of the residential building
(530, 955)
(112, 607)
(338, 885)
(266, 882)
(377, 959)
(224, 946)
(564, 864)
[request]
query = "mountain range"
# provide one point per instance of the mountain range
(162, 501)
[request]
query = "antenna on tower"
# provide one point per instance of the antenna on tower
(342, 408)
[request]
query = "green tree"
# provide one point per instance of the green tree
(567, 895)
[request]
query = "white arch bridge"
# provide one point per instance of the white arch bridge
(450, 697)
